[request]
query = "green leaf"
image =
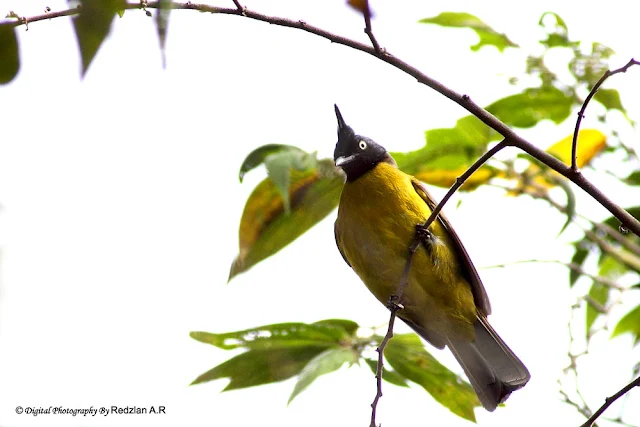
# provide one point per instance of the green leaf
(570, 210)
(325, 333)
(630, 323)
(599, 293)
(559, 22)
(279, 160)
(610, 267)
(578, 259)
(389, 376)
(448, 148)
(92, 24)
(488, 36)
(409, 358)
(558, 33)
(257, 367)
(610, 98)
(10, 63)
(526, 109)
(162, 23)
(259, 155)
(633, 178)
(265, 228)
(349, 326)
(329, 361)
(279, 166)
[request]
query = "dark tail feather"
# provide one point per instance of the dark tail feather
(492, 368)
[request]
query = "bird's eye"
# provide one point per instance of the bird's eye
(363, 145)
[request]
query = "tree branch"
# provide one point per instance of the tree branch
(594, 89)
(626, 220)
(609, 400)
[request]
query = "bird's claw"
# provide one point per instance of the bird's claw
(394, 304)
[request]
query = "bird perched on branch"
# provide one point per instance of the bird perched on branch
(444, 301)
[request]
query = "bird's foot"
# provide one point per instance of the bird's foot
(425, 236)
(393, 304)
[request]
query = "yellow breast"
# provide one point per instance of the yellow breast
(376, 222)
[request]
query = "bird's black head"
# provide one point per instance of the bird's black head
(356, 154)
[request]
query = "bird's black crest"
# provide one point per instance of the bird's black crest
(356, 154)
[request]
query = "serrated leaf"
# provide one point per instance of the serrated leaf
(92, 24)
(406, 354)
(599, 293)
(630, 323)
(329, 361)
(264, 226)
(488, 36)
(578, 258)
(10, 63)
(162, 24)
(325, 333)
(257, 367)
(526, 109)
(391, 377)
(610, 98)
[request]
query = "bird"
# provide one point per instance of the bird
(444, 302)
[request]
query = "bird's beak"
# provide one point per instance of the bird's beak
(344, 160)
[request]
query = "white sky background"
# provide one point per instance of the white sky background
(120, 206)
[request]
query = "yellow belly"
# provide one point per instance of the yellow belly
(376, 221)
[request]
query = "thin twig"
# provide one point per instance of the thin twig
(238, 5)
(383, 344)
(367, 28)
(462, 178)
(394, 304)
(513, 139)
(609, 400)
(594, 89)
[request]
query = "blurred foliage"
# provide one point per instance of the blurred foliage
(488, 36)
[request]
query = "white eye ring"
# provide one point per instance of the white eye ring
(362, 145)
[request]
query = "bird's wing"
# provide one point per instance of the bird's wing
(468, 269)
(338, 242)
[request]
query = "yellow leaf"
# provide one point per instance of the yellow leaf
(536, 181)
(265, 227)
(447, 177)
(265, 204)
(590, 143)
(361, 6)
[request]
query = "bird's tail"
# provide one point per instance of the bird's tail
(492, 368)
